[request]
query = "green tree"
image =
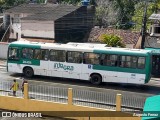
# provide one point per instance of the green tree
(125, 9)
(112, 40)
(5, 4)
(139, 12)
(1, 4)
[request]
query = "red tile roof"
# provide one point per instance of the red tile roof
(127, 36)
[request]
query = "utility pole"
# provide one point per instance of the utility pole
(144, 22)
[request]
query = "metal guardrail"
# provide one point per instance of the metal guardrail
(5, 89)
(80, 97)
(48, 93)
(94, 99)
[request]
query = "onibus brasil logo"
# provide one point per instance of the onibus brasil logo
(62, 66)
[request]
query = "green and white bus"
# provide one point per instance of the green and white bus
(84, 61)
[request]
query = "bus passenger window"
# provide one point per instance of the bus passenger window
(112, 60)
(74, 57)
(104, 58)
(57, 55)
(44, 54)
(91, 58)
(13, 54)
(134, 62)
(141, 62)
(37, 54)
(27, 53)
(125, 61)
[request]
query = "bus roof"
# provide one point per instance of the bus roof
(88, 47)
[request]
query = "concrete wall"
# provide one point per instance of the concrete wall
(3, 50)
(39, 29)
(26, 104)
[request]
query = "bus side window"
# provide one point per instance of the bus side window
(57, 55)
(134, 62)
(104, 58)
(112, 60)
(125, 61)
(27, 53)
(74, 57)
(91, 58)
(44, 54)
(141, 62)
(37, 54)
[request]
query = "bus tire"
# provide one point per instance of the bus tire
(28, 72)
(96, 79)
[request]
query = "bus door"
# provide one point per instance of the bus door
(42, 56)
(89, 60)
(57, 58)
(156, 65)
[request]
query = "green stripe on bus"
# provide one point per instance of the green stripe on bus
(26, 62)
(25, 46)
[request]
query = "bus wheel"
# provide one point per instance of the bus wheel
(96, 79)
(28, 72)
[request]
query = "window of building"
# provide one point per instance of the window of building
(13, 54)
(74, 57)
(141, 62)
(157, 29)
(57, 55)
(41, 54)
(16, 18)
(91, 58)
(27, 53)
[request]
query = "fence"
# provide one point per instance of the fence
(48, 93)
(79, 97)
(5, 89)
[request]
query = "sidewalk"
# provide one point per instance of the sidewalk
(3, 62)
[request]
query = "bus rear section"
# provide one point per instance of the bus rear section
(124, 67)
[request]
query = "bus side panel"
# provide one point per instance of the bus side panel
(87, 70)
(14, 67)
(120, 75)
(64, 69)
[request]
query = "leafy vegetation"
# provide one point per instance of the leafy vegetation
(112, 40)
(122, 14)
(137, 18)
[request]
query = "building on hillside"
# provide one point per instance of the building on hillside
(129, 38)
(61, 23)
(152, 42)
